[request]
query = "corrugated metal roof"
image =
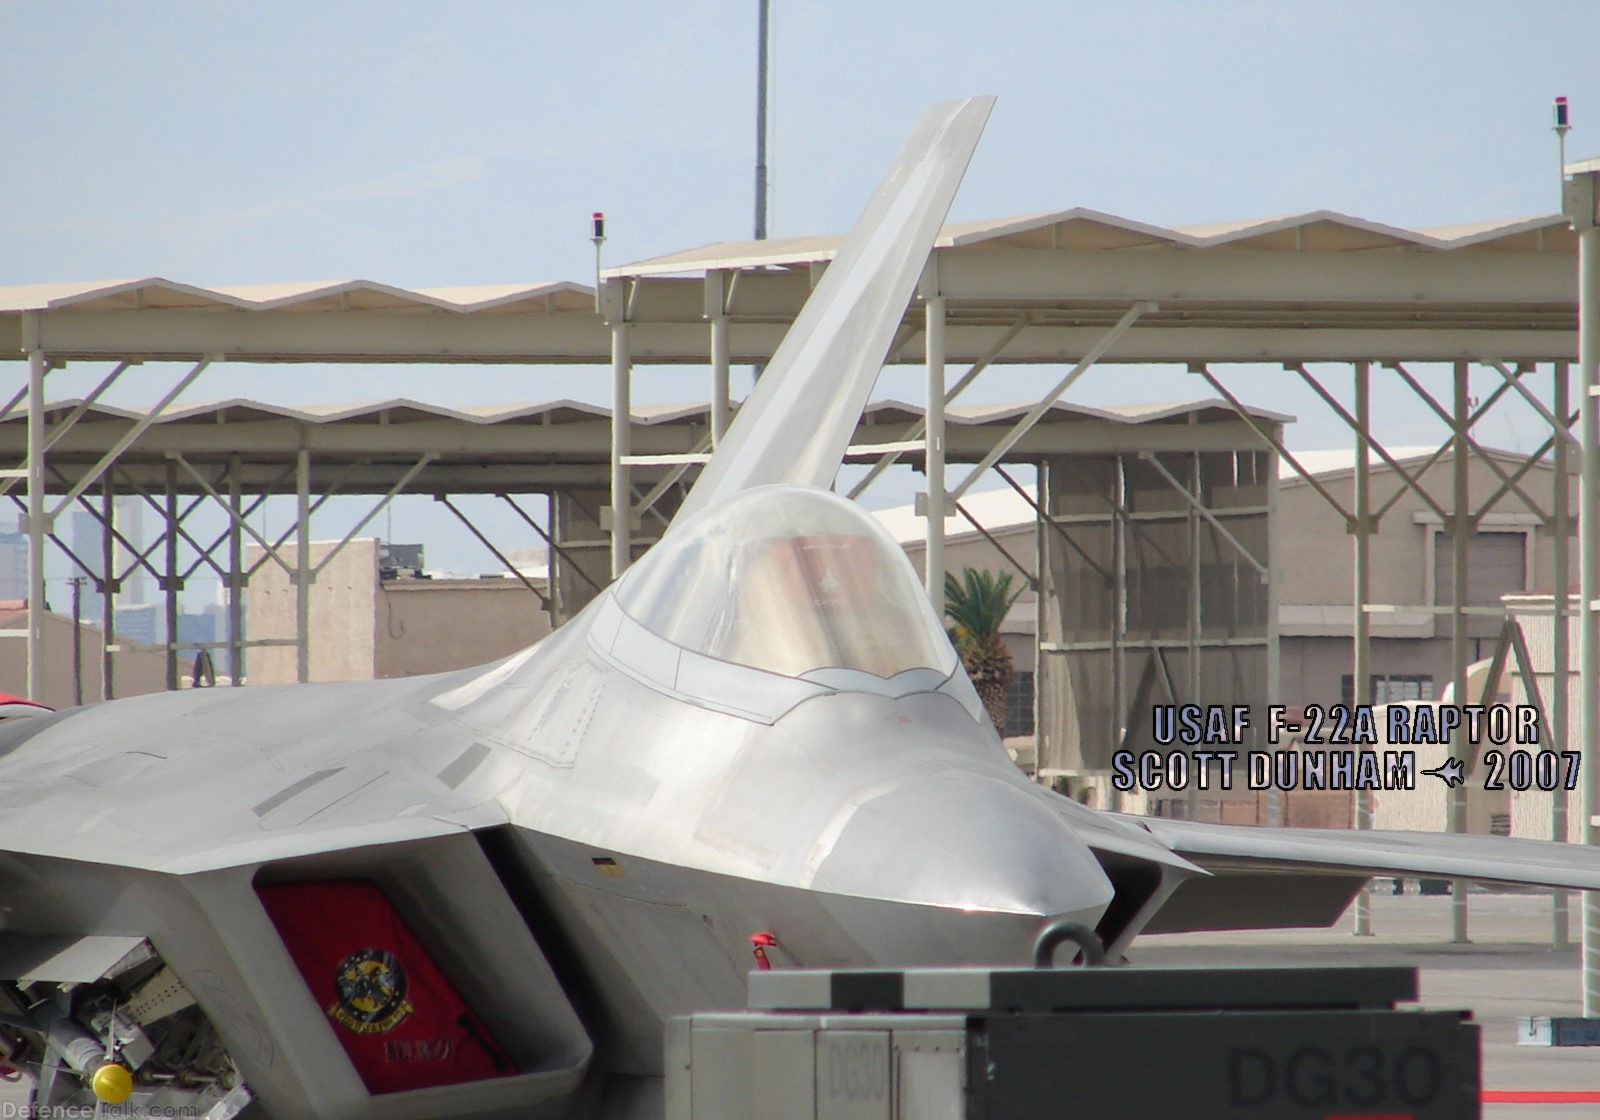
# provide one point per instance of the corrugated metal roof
(338, 295)
(1084, 229)
(1338, 461)
(398, 410)
(1315, 286)
(393, 411)
(366, 447)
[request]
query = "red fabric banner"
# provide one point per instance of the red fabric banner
(400, 1021)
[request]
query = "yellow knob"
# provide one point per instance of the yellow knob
(112, 1083)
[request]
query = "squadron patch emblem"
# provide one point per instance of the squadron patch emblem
(370, 992)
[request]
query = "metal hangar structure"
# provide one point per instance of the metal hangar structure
(233, 454)
(1071, 288)
(1077, 287)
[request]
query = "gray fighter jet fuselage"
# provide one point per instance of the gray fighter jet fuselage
(587, 835)
(483, 893)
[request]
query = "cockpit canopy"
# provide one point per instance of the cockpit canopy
(789, 580)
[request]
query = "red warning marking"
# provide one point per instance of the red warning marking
(1541, 1096)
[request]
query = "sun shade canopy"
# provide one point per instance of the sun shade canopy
(1313, 286)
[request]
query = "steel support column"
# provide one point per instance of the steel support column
(110, 583)
(171, 582)
(302, 566)
(1274, 573)
(1580, 198)
(1120, 529)
(236, 580)
(1560, 640)
(1461, 535)
(1360, 621)
(717, 312)
(934, 509)
(621, 432)
(37, 521)
(1193, 621)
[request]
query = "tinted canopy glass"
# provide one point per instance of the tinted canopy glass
(789, 580)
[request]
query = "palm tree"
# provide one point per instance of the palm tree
(977, 606)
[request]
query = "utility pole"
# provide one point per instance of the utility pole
(77, 641)
(761, 119)
(762, 24)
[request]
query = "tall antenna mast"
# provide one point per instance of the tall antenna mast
(761, 120)
(1562, 126)
(762, 7)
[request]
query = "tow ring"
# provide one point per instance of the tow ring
(1044, 947)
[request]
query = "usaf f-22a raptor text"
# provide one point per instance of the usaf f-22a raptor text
(483, 893)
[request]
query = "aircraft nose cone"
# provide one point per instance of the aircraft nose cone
(964, 841)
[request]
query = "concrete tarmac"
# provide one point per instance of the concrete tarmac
(1508, 969)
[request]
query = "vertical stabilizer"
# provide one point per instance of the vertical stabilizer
(797, 422)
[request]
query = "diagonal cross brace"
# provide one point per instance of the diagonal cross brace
(544, 600)
(1199, 507)
(919, 429)
(1344, 414)
(1444, 448)
(405, 479)
(93, 475)
(550, 540)
(1033, 580)
(1243, 412)
(648, 502)
(1046, 519)
(234, 516)
(1514, 379)
(1036, 413)
(1510, 482)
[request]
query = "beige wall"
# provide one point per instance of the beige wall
(1315, 574)
(1316, 551)
(135, 671)
(1426, 808)
(429, 625)
(1531, 809)
(362, 628)
(343, 614)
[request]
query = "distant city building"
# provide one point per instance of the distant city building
(130, 526)
(86, 537)
(14, 564)
(200, 630)
(140, 623)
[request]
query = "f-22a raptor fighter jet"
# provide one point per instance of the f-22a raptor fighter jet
(483, 893)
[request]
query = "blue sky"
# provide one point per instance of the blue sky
(432, 144)
(437, 144)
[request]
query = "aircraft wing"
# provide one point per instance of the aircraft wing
(797, 422)
(1439, 855)
(1282, 877)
